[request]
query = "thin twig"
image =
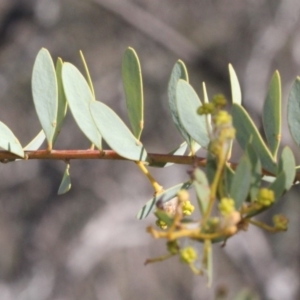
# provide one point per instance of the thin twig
(154, 158)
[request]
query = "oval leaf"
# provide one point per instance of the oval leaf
(178, 151)
(278, 185)
(187, 105)
(287, 164)
(44, 91)
(268, 178)
(241, 182)
(272, 114)
(65, 184)
(165, 196)
(115, 132)
(9, 142)
(133, 88)
(179, 71)
(236, 93)
(36, 143)
(227, 180)
(294, 111)
(205, 97)
(87, 73)
(246, 131)
(79, 95)
(211, 167)
(202, 189)
(255, 172)
(62, 101)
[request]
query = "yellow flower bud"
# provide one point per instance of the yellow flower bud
(187, 208)
(188, 255)
(206, 108)
(280, 222)
(265, 197)
(226, 206)
(227, 133)
(219, 100)
(183, 195)
(222, 118)
(161, 224)
(215, 147)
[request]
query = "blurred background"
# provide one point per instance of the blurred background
(87, 243)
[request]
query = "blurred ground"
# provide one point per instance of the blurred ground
(87, 244)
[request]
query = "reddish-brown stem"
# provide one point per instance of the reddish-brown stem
(67, 155)
(96, 154)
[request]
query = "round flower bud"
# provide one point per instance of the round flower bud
(183, 195)
(280, 222)
(161, 224)
(206, 109)
(187, 208)
(265, 197)
(188, 255)
(219, 100)
(222, 118)
(226, 206)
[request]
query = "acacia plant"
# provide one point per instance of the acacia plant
(229, 194)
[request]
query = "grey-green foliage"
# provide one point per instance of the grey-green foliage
(272, 114)
(294, 111)
(236, 184)
(256, 174)
(179, 72)
(240, 184)
(9, 142)
(178, 151)
(246, 131)
(187, 102)
(79, 96)
(54, 89)
(202, 189)
(115, 132)
(133, 88)
(45, 93)
(62, 101)
(65, 184)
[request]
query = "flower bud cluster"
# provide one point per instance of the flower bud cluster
(188, 255)
(206, 109)
(161, 224)
(222, 118)
(219, 100)
(280, 222)
(226, 206)
(265, 197)
(187, 208)
(186, 205)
